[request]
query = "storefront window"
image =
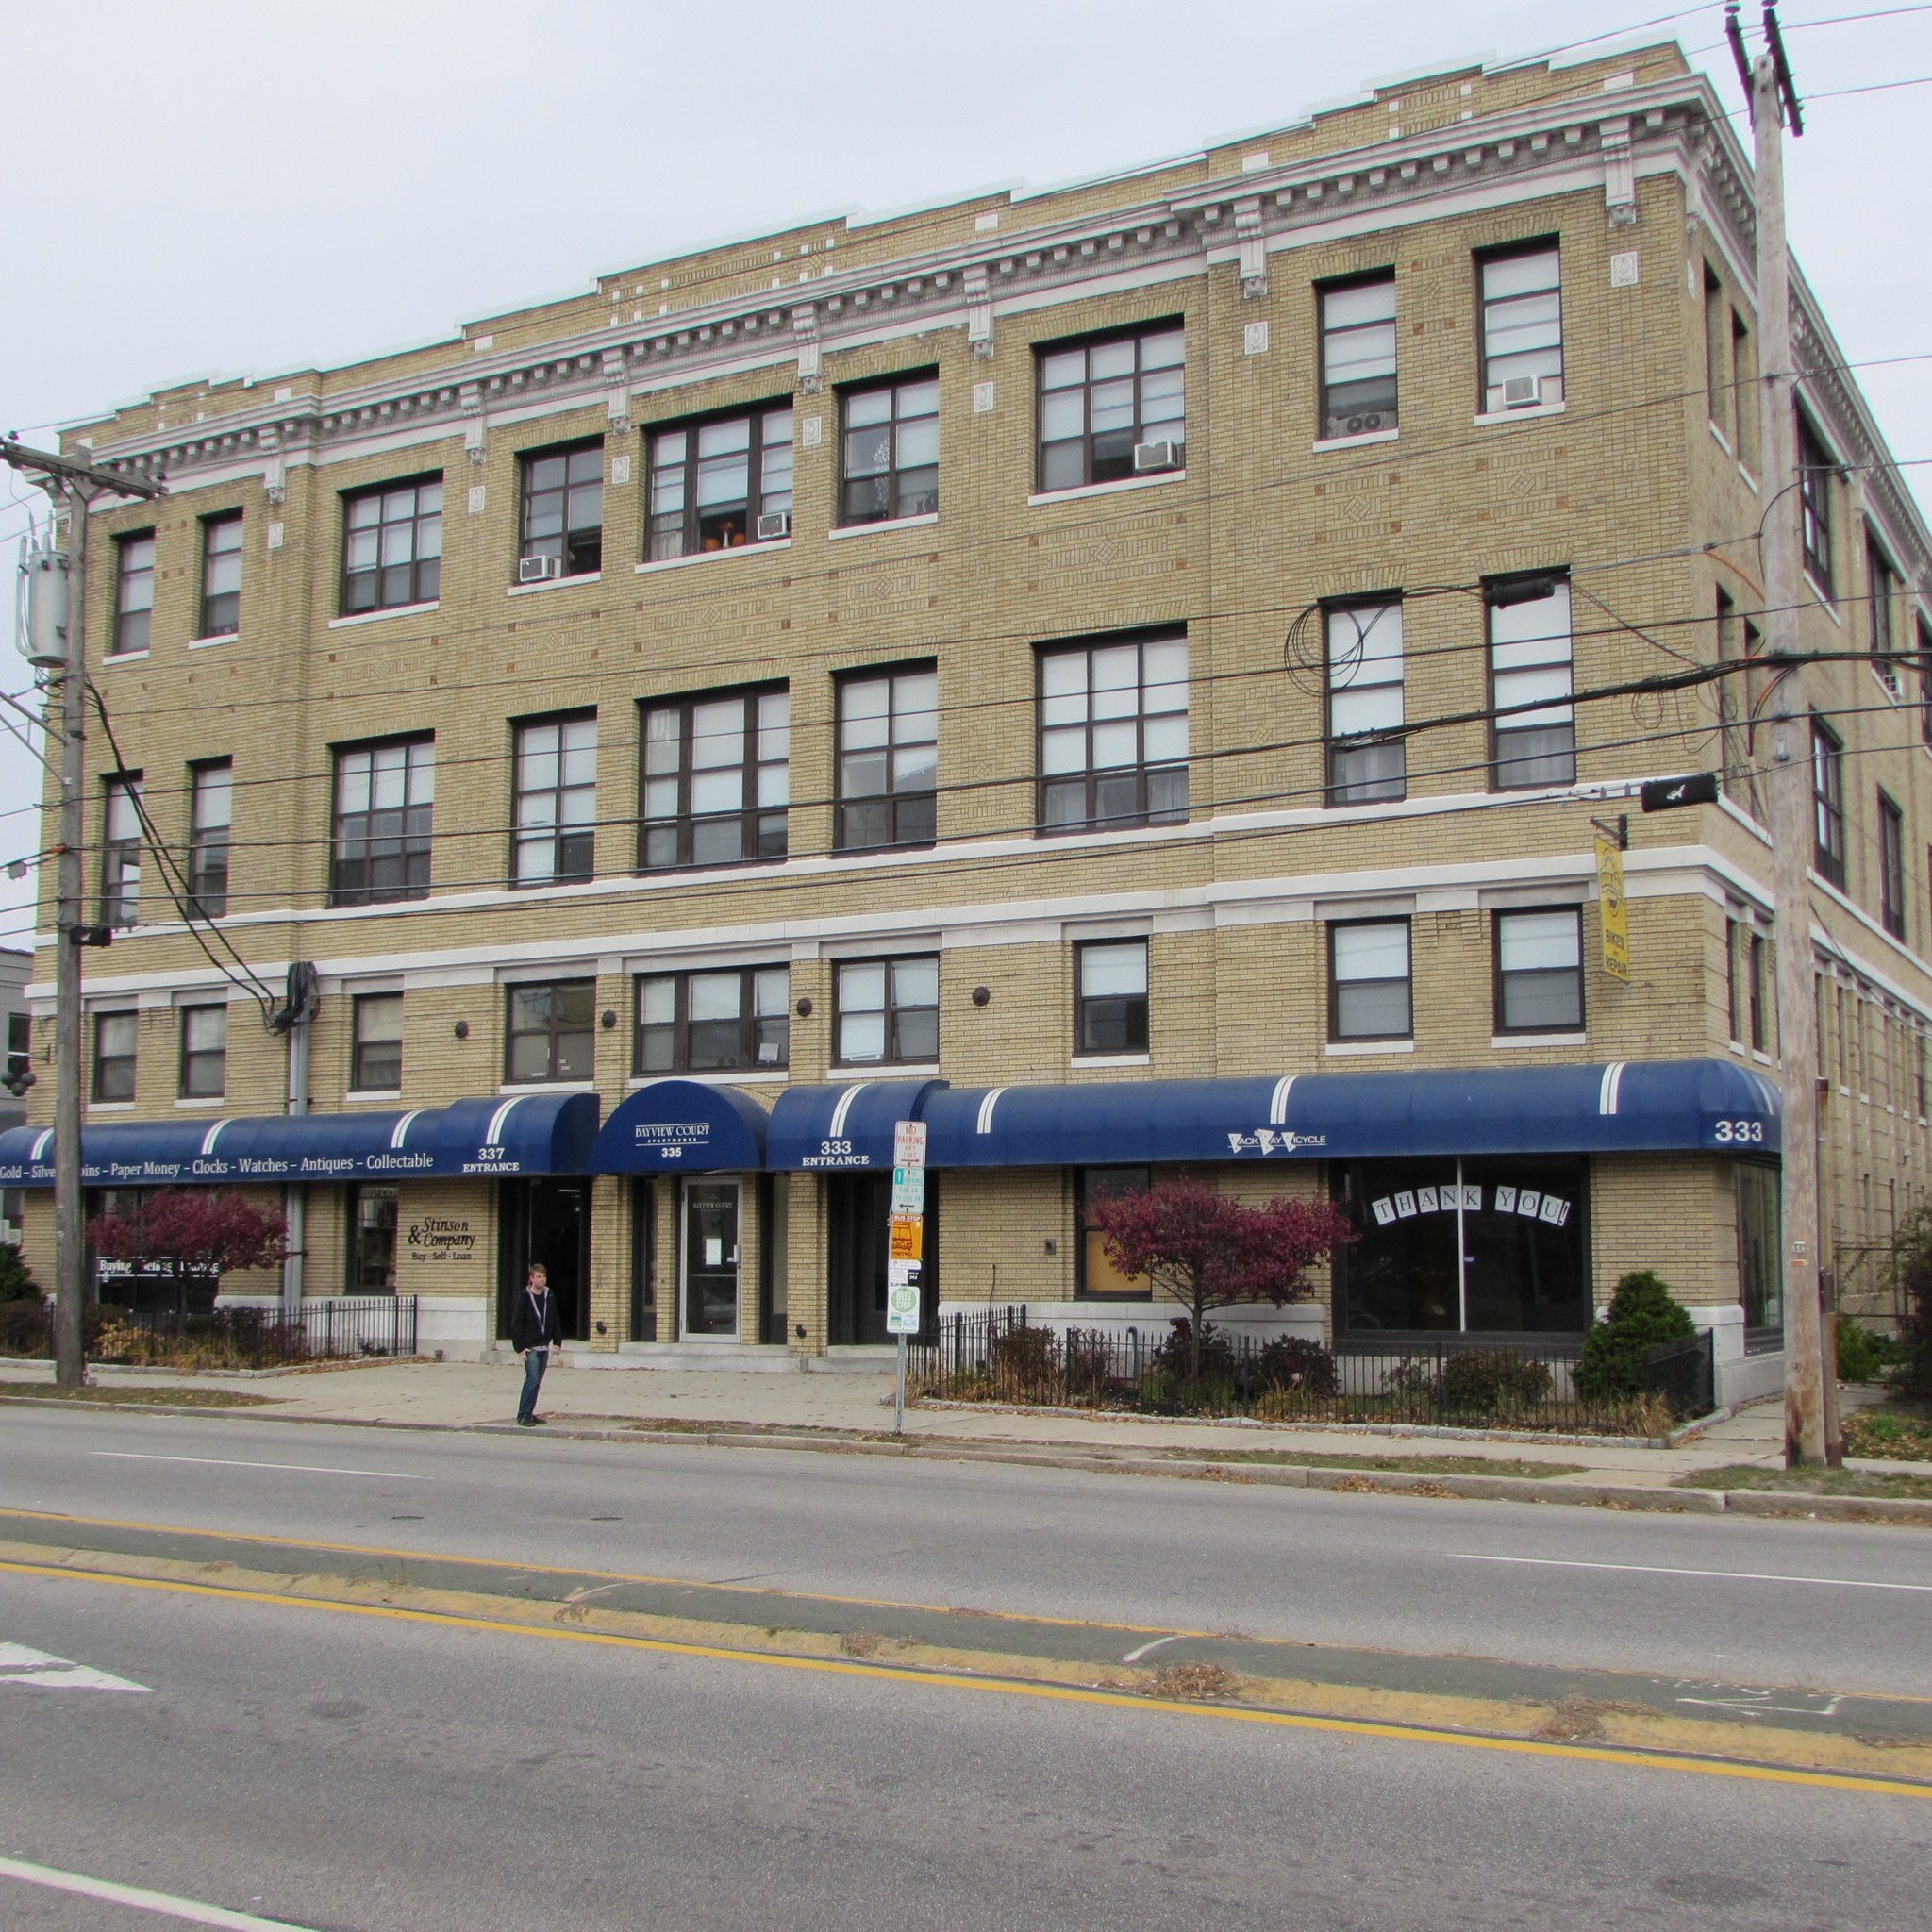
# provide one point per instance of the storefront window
(372, 1241)
(1098, 1275)
(1490, 1246)
(1758, 1287)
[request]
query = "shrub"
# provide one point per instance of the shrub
(17, 1283)
(1494, 1382)
(1862, 1356)
(24, 1329)
(1293, 1362)
(1023, 1363)
(1176, 1355)
(1643, 1314)
(1912, 1377)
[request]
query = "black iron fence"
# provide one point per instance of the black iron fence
(231, 1338)
(1463, 1382)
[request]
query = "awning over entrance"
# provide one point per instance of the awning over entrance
(682, 1127)
(1624, 1107)
(846, 1127)
(513, 1134)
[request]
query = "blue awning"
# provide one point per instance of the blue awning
(519, 1134)
(848, 1126)
(1624, 1107)
(682, 1127)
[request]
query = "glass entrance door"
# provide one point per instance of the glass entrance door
(710, 1257)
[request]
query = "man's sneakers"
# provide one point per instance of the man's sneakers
(527, 1422)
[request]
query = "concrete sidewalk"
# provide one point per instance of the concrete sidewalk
(467, 1395)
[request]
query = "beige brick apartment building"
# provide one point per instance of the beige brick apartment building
(1112, 672)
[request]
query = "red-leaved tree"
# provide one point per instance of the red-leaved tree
(1208, 1250)
(192, 1234)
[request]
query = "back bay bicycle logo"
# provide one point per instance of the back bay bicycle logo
(1275, 1140)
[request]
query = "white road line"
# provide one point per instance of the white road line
(394, 1475)
(1133, 1657)
(168, 1907)
(42, 1670)
(1727, 1576)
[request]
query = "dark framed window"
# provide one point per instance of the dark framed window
(562, 515)
(1358, 356)
(551, 1032)
(1114, 735)
(1522, 297)
(1110, 997)
(204, 1051)
(1533, 736)
(720, 483)
(392, 545)
(716, 779)
(120, 836)
(1113, 407)
(134, 590)
(1099, 1279)
(888, 454)
(555, 800)
(1882, 586)
(887, 1011)
(1539, 963)
(1891, 867)
(376, 1051)
(220, 575)
(115, 1056)
(1369, 979)
(1367, 757)
(1922, 638)
(385, 796)
(373, 1214)
(1717, 354)
(734, 1021)
(1735, 936)
(1828, 802)
(1815, 472)
(1761, 1033)
(1745, 371)
(19, 1043)
(889, 727)
(211, 825)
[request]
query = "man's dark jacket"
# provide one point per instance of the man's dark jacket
(528, 1328)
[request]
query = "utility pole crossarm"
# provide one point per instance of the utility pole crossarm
(65, 471)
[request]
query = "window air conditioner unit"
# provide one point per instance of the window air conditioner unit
(776, 523)
(1155, 455)
(539, 570)
(1521, 392)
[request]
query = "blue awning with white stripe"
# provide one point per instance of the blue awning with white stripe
(1624, 1107)
(515, 1134)
(849, 1125)
(682, 1127)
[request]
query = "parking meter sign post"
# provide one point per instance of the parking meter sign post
(905, 1251)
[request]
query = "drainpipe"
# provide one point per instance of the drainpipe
(295, 1018)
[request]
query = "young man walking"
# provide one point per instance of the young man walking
(534, 1325)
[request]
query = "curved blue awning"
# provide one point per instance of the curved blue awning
(1623, 1106)
(524, 1133)
(682, 1127)
(848, 1126)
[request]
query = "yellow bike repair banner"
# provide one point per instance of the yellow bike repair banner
(1615, 921)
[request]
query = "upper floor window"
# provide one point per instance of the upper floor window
(1112, 408)
(385, 797)
(736, 1021)
(1744, 371)
(1540, 970)
(1922, 633)
(19, 1043)
(210, 819)
(204, 1051)
(719, 484)
(552, 1032)
(1522, 327)
(1717, 354)
(887, 1011)
(889, 455)
(1367, 758)
(1114, 736)
(1533, 737)
(1891, 867)
(134, 590)
(1745, 965)
(1882, 584)
(392, 545)
(563, 533)
(1815, 471)
(121, 851)
(220, 575)
(1828, 801)
(1110, 997)
(555, 800)
(115, 1056)
(1369, 979)
(888, 759)
(716, 779)
(375, 1052)
(1358, 356)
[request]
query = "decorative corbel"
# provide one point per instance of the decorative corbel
(805, 330)
(475, 431)
(617, 395)
(274, 470)
(1619, 172)
(1254, 247)
(979, 313)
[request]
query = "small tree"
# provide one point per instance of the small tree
(1644, 1313)
(192, 1234)
(1912, 1377)
(17, 1283)
(1206, 1250)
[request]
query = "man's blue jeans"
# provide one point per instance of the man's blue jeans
(535, 1361)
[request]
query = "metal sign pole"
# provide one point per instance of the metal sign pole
(905, 1252)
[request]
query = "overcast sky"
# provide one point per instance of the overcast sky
(229, 186)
